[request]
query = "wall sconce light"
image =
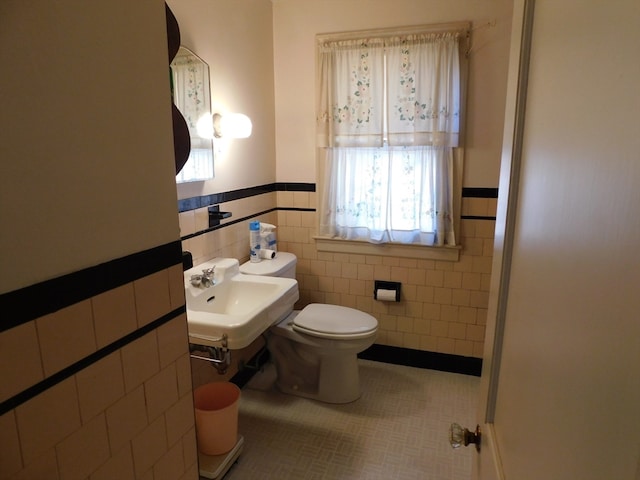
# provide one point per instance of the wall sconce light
(204, 126)
(231, 125)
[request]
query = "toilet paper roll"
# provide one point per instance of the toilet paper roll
(386, 295)
(270, 254)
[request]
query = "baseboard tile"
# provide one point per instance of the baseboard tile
(422, 359)
(443, 362)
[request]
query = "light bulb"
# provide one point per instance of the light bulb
(204, 126)
(235, 125)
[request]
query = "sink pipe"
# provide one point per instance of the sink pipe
(219, 357)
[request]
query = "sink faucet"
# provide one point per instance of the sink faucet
(205, 280)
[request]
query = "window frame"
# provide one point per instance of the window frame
(435, 252)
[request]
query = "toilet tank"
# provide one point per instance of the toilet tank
(283, 265)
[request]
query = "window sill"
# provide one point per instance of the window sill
(448, 254)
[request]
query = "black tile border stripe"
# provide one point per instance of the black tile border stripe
(476, 217)
(227, 223)
(71, 370)
(295, 187)
(472, 192)
(296, 209)
(293, 209)
(26, 304)
(244, 219)
(479, 193)
(423, 359)
(193, 203)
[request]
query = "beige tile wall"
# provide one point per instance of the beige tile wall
(443, 307)
(444, 304)
(128, 415)
(230, 241)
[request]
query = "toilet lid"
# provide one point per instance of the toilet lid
(334, 320)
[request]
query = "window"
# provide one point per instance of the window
(389, 116)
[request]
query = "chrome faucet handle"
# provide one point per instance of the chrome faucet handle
(208, 278)
(208, 272)
(204, 280)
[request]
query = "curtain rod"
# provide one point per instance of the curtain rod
(463, 27)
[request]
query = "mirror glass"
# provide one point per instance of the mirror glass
(192, 95)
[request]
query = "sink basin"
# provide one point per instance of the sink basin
(240, 306)
(234, 297)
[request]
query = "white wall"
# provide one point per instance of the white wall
(262, 61)
(569, 363)
(86, 151)
(235, 38)
(87, 176)
(296, 22)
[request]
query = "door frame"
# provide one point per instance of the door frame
(489, 464)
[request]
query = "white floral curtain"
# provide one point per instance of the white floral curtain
(351, 93)
(424, 89)
(389, 195)
(388, 121)
(191, 94)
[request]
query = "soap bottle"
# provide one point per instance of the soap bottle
(254, 241)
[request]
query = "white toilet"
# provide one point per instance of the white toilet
(315, 349)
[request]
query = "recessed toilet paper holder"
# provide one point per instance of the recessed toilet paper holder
(384, 287)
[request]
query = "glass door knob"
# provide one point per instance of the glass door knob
(459, 436)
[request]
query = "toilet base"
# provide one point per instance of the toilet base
(265, 379)
(338, 381)
(316, 367)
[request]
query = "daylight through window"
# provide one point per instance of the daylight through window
(389, 128)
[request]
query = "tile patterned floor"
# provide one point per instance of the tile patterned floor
(398, 429)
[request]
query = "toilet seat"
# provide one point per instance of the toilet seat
(334, 321)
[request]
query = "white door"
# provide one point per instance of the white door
(561, 381)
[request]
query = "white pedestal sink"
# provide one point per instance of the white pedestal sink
(237, 305)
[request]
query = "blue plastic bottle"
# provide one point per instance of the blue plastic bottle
(254, 241)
